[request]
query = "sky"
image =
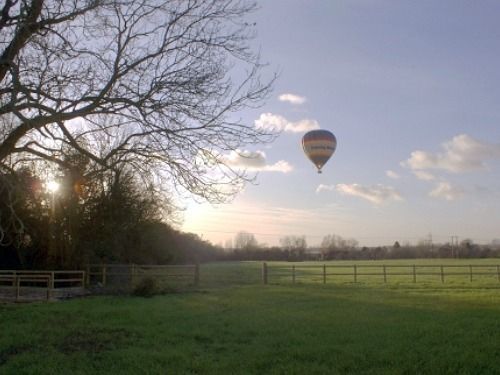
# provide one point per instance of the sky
(411, 90)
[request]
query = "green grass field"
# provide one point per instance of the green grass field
(307, 328)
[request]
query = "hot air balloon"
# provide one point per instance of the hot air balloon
(319, 146)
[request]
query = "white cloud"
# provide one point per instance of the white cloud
(254, 161)
(376, 194)
(423, 175)
(280, 166)
(323, 187)
(461, 154)
(392, 174)
(292, 99)
(272, 122)
(446, 191)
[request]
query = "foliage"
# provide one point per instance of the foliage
(24, 215)
(112, 218)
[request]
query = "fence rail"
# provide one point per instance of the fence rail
(25, 285)
(29, 285)
(413, 272)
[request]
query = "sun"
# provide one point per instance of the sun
(52, 186)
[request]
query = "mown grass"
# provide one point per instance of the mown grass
(306, 328)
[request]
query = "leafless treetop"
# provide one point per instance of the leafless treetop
(158, 84)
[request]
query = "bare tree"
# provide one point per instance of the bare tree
(152, 84)
(245, 241)
(334, 242)
(295, 245)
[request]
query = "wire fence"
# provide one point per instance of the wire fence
(128, 276)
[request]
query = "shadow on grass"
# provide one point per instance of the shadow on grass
(303, 328)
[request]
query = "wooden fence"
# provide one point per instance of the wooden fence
(383, 273)
(47, 285)
(24, 285)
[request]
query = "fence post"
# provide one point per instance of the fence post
(355, 274)
(385, 274)
(103, 275)
(293, 274)
(18, 286)
(324, 273)
(48, 288)
(197, 274)
(498, 273)
(442, 274)
(414, 274)
(52, 282)
(264, 273)
(470, 270)
(87, 276)
(132, 276)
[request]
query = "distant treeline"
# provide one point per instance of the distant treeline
(116, 218)
(467, 250)
(334, 247)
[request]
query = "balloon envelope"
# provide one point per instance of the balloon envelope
(319, 146)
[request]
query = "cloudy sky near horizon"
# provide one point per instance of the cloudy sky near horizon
(411, 91)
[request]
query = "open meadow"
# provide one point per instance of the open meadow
(172, 172)
(226, 327)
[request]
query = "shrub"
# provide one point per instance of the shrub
(147, 287)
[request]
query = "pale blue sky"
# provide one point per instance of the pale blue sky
(388, 78)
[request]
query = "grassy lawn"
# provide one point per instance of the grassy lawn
(254, 329)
